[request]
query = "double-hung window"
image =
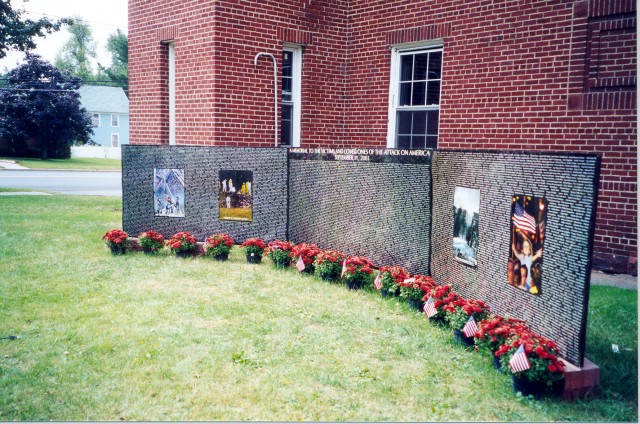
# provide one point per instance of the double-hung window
(414, 97)
(291, 96)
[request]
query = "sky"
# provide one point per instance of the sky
(104, 18)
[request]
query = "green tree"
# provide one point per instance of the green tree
(118, 46)
(76, 54)
(40, 111)
(17, 33)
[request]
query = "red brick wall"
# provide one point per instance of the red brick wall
(522, 75)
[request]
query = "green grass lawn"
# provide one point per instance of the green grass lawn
(156, 338)
(73, 163)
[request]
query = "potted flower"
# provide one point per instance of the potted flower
(495, 331)
(218, 246)
(116, 241)
(413, 289)
(253, 249)
(458, 313)
(183, 244)
(328, 264)
(357, 272)
(280, 253)
(391, 277)
(538, 367)
(150, 241)
(308, 253)
(440, 296)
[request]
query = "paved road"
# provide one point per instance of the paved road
(93, 183)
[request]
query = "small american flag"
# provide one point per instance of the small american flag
(430, 308)
(470, 327)
(519, 361)
(522, 220)
(377, 283)
(410, 280)
(344, 268)
(300, 264)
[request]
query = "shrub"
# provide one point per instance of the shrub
(357, 272)
(328, 264)
(218, 245)
(151, 241)
(182, 242)
(308, 253)
(391, 277)
(280, 253)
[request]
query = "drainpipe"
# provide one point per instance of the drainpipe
(275, 91)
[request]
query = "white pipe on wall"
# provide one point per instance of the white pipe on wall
(275, 91)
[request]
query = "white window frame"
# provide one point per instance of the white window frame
(296, 91)
(394, 84)
(95, 120)
(115, 137)
(172, 91)
(116, 120)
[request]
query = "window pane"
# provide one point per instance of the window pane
(286, 125)
(433, 93)
(420, 66)
(432, 122)
(405, 94)
(418, 97)
(418, 142)
(404, 123)
(287, 61)
(435, 65)
(406, 66)
(404, 142)
(432, 142)
(286, 89)
(419, 123)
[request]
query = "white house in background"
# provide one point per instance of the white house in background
(109, 110)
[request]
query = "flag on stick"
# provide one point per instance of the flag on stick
(470, 327)
(410, 280)
(344, 268)
(522, 220)
(377, 283)
(430, 308)
(519, 361)
(300, 264)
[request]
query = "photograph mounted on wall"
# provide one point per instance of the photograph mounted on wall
(466, 208)
(168, 192)
(236, 195)
(528, 223)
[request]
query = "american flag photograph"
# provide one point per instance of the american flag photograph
(528, 224)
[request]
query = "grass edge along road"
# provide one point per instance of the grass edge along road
(81, 164)
(162, 338)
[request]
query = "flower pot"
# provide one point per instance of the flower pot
(526, 387)
(282, 264)
(496, 362)
(354, 284)
(148, 251)
(416, 304)
(221, 256)
(254, 258)
(388, 293)
(117, 250)
(437, 320)
(184, 253)
(460, 338)
(329, 277)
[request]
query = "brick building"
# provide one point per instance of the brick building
(541, 75)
